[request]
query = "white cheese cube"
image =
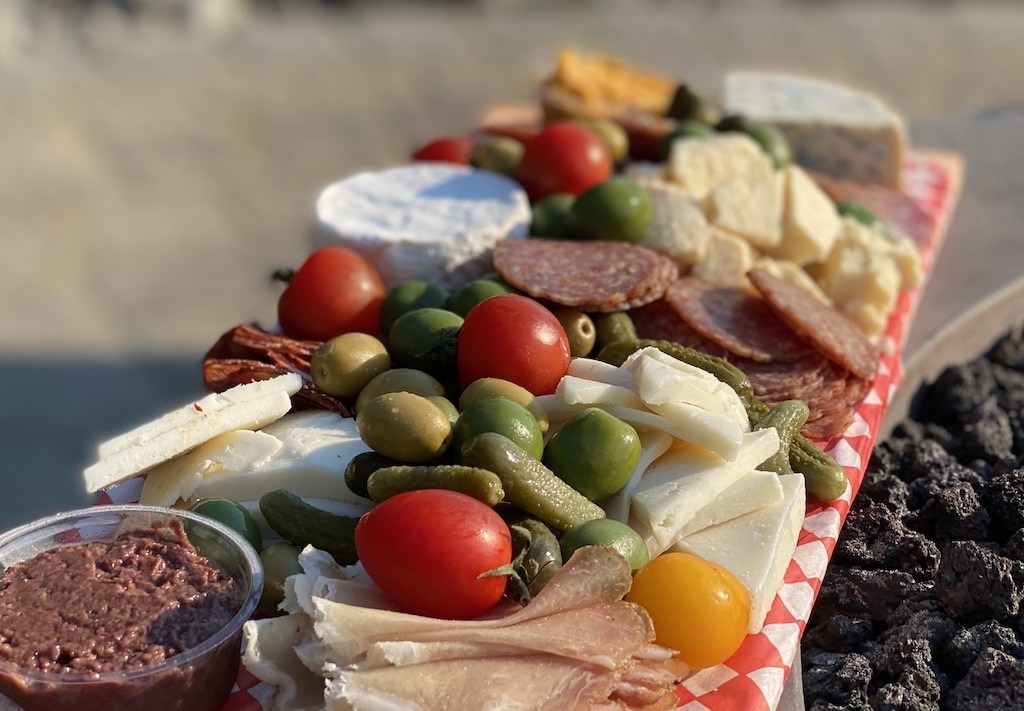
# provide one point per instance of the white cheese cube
(699, 165)
(793, 273)
(750, 209)
(678, 227)
(811, 222)
(756, 547)
(832, 129)
(727, 261)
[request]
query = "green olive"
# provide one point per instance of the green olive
(474, 292)
(405, 427)
(233, 515)
(499, 154)
(617, 209)
(613, 135)
(773, 142)
(399, 380)
(487, 388)
(685, 129)
(861, 213)
(733, 123)
(688, 105)
(280, 560)
(594, 453)
(344, 365)
(409, 296)
(446, 406)
(579, 329)
(551, 215)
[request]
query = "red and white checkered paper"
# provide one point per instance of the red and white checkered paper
(753, 679)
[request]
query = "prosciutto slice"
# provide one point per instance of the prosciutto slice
(577, 645)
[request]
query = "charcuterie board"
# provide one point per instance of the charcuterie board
(753, 678)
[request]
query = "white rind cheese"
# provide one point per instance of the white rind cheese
(757, 547)
(429, 221)
(832, 129)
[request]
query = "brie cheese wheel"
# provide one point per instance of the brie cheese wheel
(429, 221)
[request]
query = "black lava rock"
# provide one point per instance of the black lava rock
(1014, 547)
(955, 513)
(1009, 351)
(840, 679)
(840, 634)
(922, 458)
(883, 488)
(937, 433)
(1004, 500)
(908, 429)
(995, 682)
(964, 647)
(975, 584)
(878, 539)
(1009, 387)
(986, 434)
(940, 479)
(960, 389)
(913, 690)
(923, 618)
(863, 593)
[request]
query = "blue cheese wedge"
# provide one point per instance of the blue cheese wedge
(756, 547)
(429, 221)
(832, 129)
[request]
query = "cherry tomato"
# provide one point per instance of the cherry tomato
(425, 549)
(699, 608)
(335, 291)
(566, 157)
(514, 338)
(446, 150)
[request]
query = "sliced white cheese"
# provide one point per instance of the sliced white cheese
(753, 491)
(699, 165)
(653, 444)
(661, 379)
(577, 391)
(727, 261)
(602, 372)
(179, 478)
(137, 458)
(811, 222)
(756, 547)
(750, 209)
(687, 478)
(315, 448)
(429, 221)
(717, 434)
(678, 226)
(200, 410)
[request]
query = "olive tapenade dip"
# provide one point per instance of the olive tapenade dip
(94, 607)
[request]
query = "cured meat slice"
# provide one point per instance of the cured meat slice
(834, 417)
(585, 275)
(736, 320)
(832, 333)
(659, 321)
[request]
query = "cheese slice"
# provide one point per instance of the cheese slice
(719, 435)
(678, 226)
(753, 491)
(188, 433)
(687, 478)
(316, 447)
(757, 547)
(577, 391)
(811, 222)
(699, 165)
(598, 370)
(200, 410)
(653, 444)
(750, 209)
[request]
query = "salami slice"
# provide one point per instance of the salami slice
(832, 333)
(735, 319)
(659, 321)
(585, 275)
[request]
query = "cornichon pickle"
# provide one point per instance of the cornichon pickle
(481, 484)
(786, 417)
(612, 327)
(529, 484)
(303, 524)
(361, 466)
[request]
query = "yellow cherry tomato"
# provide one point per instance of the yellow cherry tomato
(699, 608)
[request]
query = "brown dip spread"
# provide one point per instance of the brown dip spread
(100, 607)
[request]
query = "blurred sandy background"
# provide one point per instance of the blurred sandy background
(159, 159)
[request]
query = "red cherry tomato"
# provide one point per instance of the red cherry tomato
(425, 549)
(566, 157)
(335, 291)
(446, 150)
(514, 338)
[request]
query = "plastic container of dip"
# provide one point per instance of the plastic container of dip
(195, 679)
